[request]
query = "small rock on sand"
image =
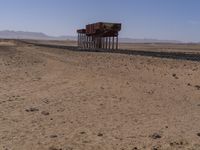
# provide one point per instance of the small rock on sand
(175, 76)
(54, 148)
(197, 87)
(53, 136)
(45, 113)
(100, 134)
(32, 109)
(156, 148)
(155, 136)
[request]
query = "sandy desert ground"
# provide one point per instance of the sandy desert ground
(58, 99)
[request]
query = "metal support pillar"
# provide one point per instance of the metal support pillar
(106, 42)
(103, 41)
(81, 40)
(95, 42)
(113, 42)
(117, 40)
(78, 40)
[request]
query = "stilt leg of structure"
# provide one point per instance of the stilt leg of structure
(98, 42)
(88, 42)
(113, 42)
(108, 42)
(91, 42)
(106, 46)
(83, 41)
(104, 43)
(117, 40)
(101, 42)
(79, 44)
(95, 42)
(79, 40)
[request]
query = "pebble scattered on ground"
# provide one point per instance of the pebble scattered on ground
(155, 136)
(45, 113)
(32, 109)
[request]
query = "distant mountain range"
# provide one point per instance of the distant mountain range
(6, 34)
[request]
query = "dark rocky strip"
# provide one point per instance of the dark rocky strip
(168, 55)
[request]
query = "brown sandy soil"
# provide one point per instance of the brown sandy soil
(55, 99)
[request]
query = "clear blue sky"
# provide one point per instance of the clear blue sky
(160, 19)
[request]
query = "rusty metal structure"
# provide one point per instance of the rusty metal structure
(101, 35)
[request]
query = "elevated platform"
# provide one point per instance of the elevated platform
(99, 35)
(103, 29)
